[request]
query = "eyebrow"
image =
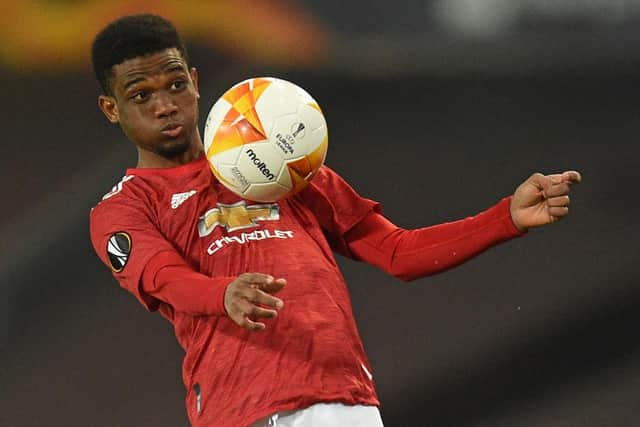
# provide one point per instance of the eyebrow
(133, 81)
(173, 67)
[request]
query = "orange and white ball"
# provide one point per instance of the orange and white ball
(265, 139)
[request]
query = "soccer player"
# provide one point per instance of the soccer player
(254, 292)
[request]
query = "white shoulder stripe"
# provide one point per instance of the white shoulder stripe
(118, 187)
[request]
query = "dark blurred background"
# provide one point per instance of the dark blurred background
(435, 108)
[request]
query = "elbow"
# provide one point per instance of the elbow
(410, 272)
(406, 278)
(402, 274)
(398, 269)
(409, 275)
(405, 268)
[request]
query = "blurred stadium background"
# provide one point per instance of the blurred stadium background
(436, 108)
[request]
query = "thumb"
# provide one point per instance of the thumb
(543, 182)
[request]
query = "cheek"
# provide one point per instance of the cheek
(133, 123)
(190, 104)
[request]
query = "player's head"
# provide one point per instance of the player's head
(141, 64)
(131, 37)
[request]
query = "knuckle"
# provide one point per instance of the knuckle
(248, 277)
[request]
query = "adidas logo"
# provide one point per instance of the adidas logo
(179, 198)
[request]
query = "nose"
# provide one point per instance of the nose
(165, 106)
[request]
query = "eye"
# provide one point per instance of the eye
(140, 96)
(178, 84)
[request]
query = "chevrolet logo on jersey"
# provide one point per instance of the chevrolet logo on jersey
(236, 216)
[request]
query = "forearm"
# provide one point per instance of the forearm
(410, 254)
(169, 279)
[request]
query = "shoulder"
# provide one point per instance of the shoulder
(325, 172)
(327, 191)
(125, 207)
(327, 183)
(117, 189)
(326, 179)
(127, 193)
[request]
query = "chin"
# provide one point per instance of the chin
(173, 148)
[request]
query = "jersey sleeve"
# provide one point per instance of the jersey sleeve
(411, 254)
(127, 240)
(336, 206)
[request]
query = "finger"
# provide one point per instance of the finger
(249, 309)
(561, 201)
(251, 325)
(259, 312)
(274, 286)
(244, 313)
(263, 298)
(558, 211)
(256, 278)
(556, 190)
(544, 182)
(573, 177)
(555, 178)
(539, 180)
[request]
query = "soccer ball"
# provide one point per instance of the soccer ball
(265, 139)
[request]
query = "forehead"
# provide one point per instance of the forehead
(146, 66)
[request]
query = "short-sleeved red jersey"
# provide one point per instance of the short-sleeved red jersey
(311, 352)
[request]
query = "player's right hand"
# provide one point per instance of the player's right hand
(249, 297)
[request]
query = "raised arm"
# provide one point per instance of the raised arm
(411, 254)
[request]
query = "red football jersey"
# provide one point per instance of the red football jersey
(310, 353)
(175, 238)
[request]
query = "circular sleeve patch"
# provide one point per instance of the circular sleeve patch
(118, 250)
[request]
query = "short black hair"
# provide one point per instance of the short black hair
(129, 37)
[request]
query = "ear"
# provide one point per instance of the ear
(194, 79)
(109, 107)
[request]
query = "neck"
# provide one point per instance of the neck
(149, 159)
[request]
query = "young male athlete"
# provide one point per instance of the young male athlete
(212, 263)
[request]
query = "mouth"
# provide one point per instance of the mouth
(171, 130)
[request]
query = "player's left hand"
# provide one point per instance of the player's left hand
(542, 199)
